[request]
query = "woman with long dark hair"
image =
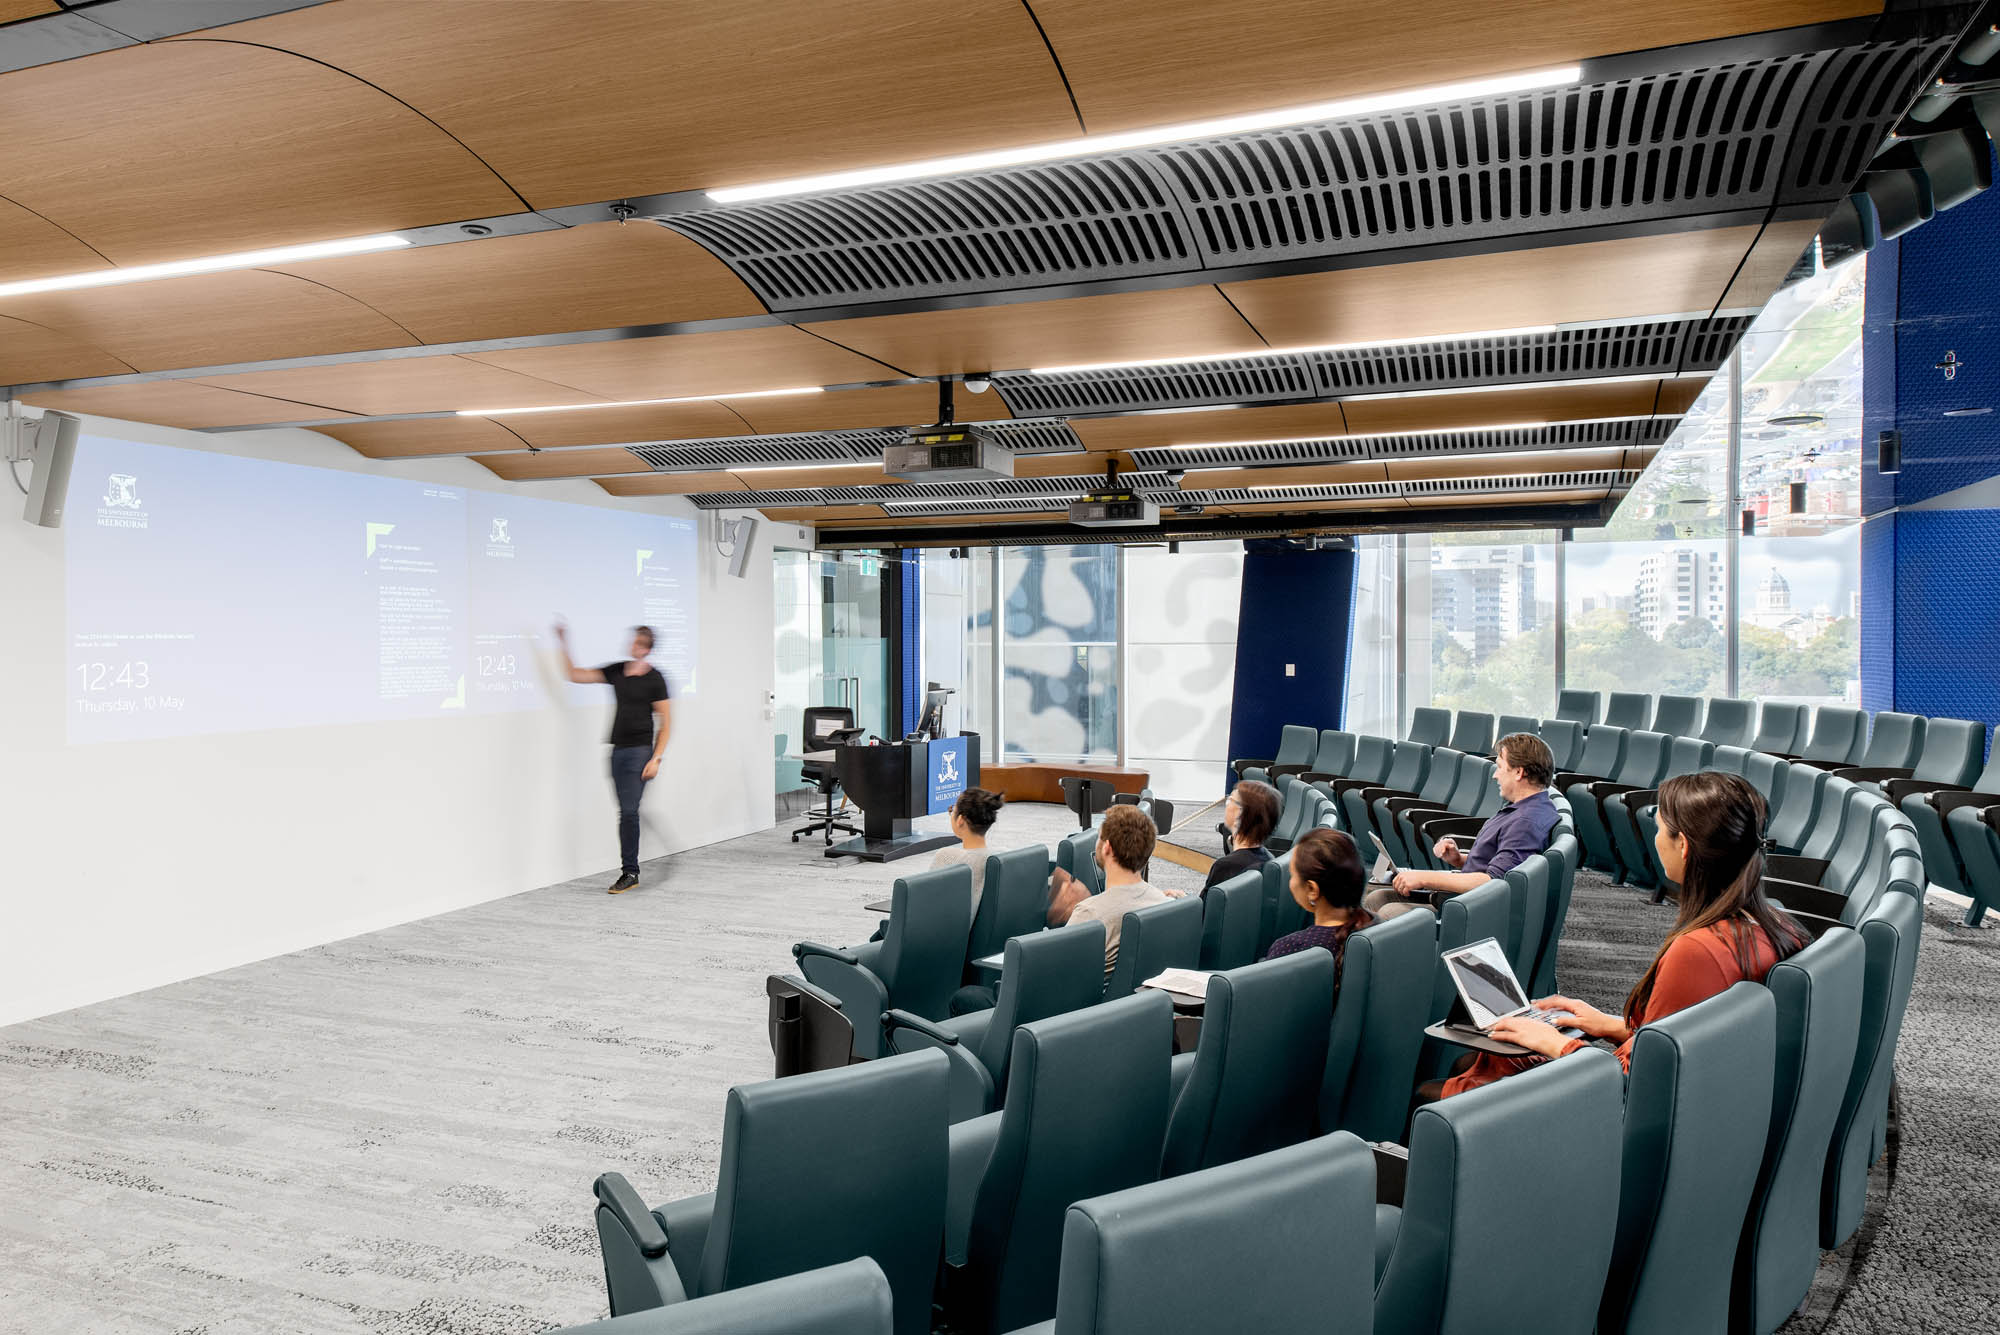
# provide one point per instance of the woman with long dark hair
(1326, 881)
(1711, 840)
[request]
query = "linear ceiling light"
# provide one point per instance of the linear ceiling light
(242, 259)
(1519, 331)
(1525, 384)
(1340, 109)
(796, 467)
(1394, 435)
(637, 403)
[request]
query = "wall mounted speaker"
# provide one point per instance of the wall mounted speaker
(744, 532)
(1749, 523)
(1798, 498)
(52, 447)
(1889, 452)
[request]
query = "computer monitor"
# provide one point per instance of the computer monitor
(932, 723)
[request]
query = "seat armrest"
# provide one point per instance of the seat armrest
(1318, 776)
(1641, 797)
(1392, 1172)
(1799, 897)
(1792, 867)
(971, 1145)
(1946, 803)
(804, 948)
(1569, 778)
(892, 1020)
(1992, 818)
(1348, 783)
(1453, 826)
(1604, 788)
(1375, 792)
(615, 1194)
(1862, 774)
(1898, 789)
(1828, 765)
(1402, 802)
(1238, 766)
(1276, 771)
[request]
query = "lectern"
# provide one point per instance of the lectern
(895, 782)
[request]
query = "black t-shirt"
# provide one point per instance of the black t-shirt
(1235, 863)
(632, 725)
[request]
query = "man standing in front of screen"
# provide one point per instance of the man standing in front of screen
(635, 743)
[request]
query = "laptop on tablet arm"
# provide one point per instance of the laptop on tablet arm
(1487, 988)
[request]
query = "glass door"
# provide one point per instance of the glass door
(831, 646)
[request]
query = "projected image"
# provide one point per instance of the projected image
(209, 593)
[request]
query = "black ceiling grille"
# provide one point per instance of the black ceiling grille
(678, 456)
(1332, 491)
(1709, 341)
(1415, 444)
(1059, 222)
(1036, 437)
(1564, 354)
(1127, 389)
(1851, 110)
(1028, 493)
(1474, 486)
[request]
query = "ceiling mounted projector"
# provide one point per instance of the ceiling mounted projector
(948, 453)
(1113, 506)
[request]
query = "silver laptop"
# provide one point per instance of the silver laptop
(1487, 986)
(1384, 870)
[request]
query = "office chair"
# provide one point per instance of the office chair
(1085, 796)
(820, 773)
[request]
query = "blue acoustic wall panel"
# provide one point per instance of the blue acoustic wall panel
(1878, 613)
(1296, 609)
(1947, 613)
(1878, 376)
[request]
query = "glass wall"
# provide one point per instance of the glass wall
(1483, 614)
(829, 649)
(1180, 671)
(1059, 653)
(1372, 704)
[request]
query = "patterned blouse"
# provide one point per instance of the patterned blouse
(1332, 939)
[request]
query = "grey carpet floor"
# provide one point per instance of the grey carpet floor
(397, 1133)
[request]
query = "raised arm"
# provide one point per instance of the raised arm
(576, 674)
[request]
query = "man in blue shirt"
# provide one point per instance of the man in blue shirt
(1523, 767)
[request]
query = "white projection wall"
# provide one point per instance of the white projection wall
(213, 593)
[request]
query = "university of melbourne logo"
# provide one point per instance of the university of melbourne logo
(499, 533)
(947, 765)
(120, 507)
(499, 542)
(949, 762)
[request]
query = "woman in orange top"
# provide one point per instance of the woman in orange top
(1711, 841)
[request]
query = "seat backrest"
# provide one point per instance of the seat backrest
(1645, 759)
(1336, 752)
(1429, 727)
(1678, 715)
(1279, 914)
(1780, 729)
(1159, 936)
(1831, 822)
(1688, 755)
(1371, 758)
(923, 952)
(1218, 1250)
(1730, 759)
(1528, 907)
(1296, 744)
(1989, 778)
(1473, 733)
(1798, 806)
(1838, 734)
(1257, 1065)
(1485, 794)
(851, 1298)
(1086, 1114)
(1767, 774)
(1889, 938)
(1562, 854)
(1582, 707)
(1470, 1182)
(1896, 740)
(1378, 1027)
(1047, 973)
(1473, 774)
(1697, 1111)
(812, 734)
(1468, 916)
(1510, 724)
(884, 1123)
(1443, 777)
(1296, 816)
(1630, 710)
(1076, 854)
(1952, 750)
(1015, 896)
(1730, 722)
(1408, 767)
(1232, 911)
(1818, 993)
(1603, 748)
(1565, 739)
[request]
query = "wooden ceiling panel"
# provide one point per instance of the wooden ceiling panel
(1141, 63)
(11, 10)
(1152, 430)
(211, 320)
(1306, 510)
(404, 385)
(176, 149)
(813, 514)
(33, 247)
(1508, 465)
(1125, 326)
(1678, 395)
(1562, 403)
(1325, 475)
(702, 420)
(563, 463)
(1597, 280)
(576, 103)
(425, 437)
(671, 484)
(1777, 249)
(30, 352)
(857, 409)
(733, 362)
(595, 277)
(182, 403)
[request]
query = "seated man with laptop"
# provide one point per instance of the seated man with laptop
(1523, 768)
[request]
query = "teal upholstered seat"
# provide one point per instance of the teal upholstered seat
(1483, 1170)
(1563, 855)
(1429, 726)
(881, 1122)
(1077, 855)
(1630, 710)
(1565, 740)
(1472, 733)
(1252, 1082)
(1889, 937)
(1794, 818)
(1975, 835)
(1440, 782)
(851, 1298)
(917, 964)
(1677, 715)
(1929, 806)
(1378, 1027)
(1281, 914)
(1409, 764)
(1159, 936)
(1839, 735)
(1468, 916)
(1697, 1115)
(1583, 707)
(1296, 744)
(1637, 859)
(1781, 729)
(1086, 1114)
(1730, 723)
(1644, 761)
(1232, 913)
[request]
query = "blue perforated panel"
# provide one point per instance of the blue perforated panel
(1878, 613)
(1947, 613)
(1878, 376)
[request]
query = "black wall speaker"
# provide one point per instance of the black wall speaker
(1749, 523)
(1889, 452)
(1798, 498)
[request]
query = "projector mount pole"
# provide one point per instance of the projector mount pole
(946, 409)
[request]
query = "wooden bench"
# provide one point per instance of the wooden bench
(1043, 782)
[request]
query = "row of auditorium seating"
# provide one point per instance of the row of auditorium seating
(1930, 769)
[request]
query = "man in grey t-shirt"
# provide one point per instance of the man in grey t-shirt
(1124, 842)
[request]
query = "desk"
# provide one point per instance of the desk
(880, 906)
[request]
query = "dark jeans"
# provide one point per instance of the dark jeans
(628, 768)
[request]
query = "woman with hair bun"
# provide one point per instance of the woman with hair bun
(971, 817)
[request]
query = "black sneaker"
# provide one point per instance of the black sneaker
(622, 884)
